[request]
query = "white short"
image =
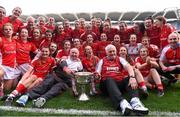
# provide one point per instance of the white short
(146, 78)
(21, 69)
(8, 72)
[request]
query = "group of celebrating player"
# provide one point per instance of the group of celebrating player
(40, 58)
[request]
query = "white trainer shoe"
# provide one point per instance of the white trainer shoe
(138, 107)
(126, 107)
(39, 102)
(22, 100)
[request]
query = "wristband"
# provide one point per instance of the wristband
(132, 77)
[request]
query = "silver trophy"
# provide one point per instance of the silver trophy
(83, 78)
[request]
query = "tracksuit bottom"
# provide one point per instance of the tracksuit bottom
(114, 90)
(49, 88)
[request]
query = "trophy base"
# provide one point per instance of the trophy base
(83, 97)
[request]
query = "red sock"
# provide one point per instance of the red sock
(142, 84)
(21, 89)
(160, 86)
(152, 86)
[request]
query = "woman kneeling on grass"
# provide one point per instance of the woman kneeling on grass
(34, 76)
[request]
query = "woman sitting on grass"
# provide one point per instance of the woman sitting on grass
(123, 52)
(148, 66)
(89, 62)
(34, 76)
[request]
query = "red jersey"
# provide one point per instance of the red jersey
(90, 63)
(81, 51)
(59, 38)
(23, 52)
(154, 34)
(43, 67)
(139, 36)
(112, 69)
(110, 34)
(153, 51)
(43, 29)
(8, 50)
(95, 29)
(30, 31)
(165, 31)
(77, 33)
(118, 46)
(68, 33)
(144, 71)
(62, 53)
(93, 46)
(17, 23)
(83, 36)
(36, 42)
(170, 55)
(45, 43)
(125, 35)
(50, 27)
(131, 62)
(101, 48)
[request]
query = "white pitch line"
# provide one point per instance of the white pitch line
(79, 112)
(59, 111)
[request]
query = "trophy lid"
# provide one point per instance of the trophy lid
(83, 74)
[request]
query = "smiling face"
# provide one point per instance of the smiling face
(76, 42)
(88, 28)
(93, 22)
(74, 54)
(98, 22)
(158, 23)
(133, 39)
(60, 28)
(8, 30)
(51, 20)
(2, 12)
(123, 52)
(143, 52)
(36, 33)
(41, 21)
(173, 39)
(88, 51)
(30, 22)
(106, 26)
(77, 24)
(48, 35)
(111, 52)
(136, 27)
(145, 41)
(53, 47)
(117, 38)
(82, 22)
(16, 12)
(122, 26)
(45, 52)
(148, 23)
(24, 34)
(103, 37)
(67, 45)
(66, 24)
(89, 38)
